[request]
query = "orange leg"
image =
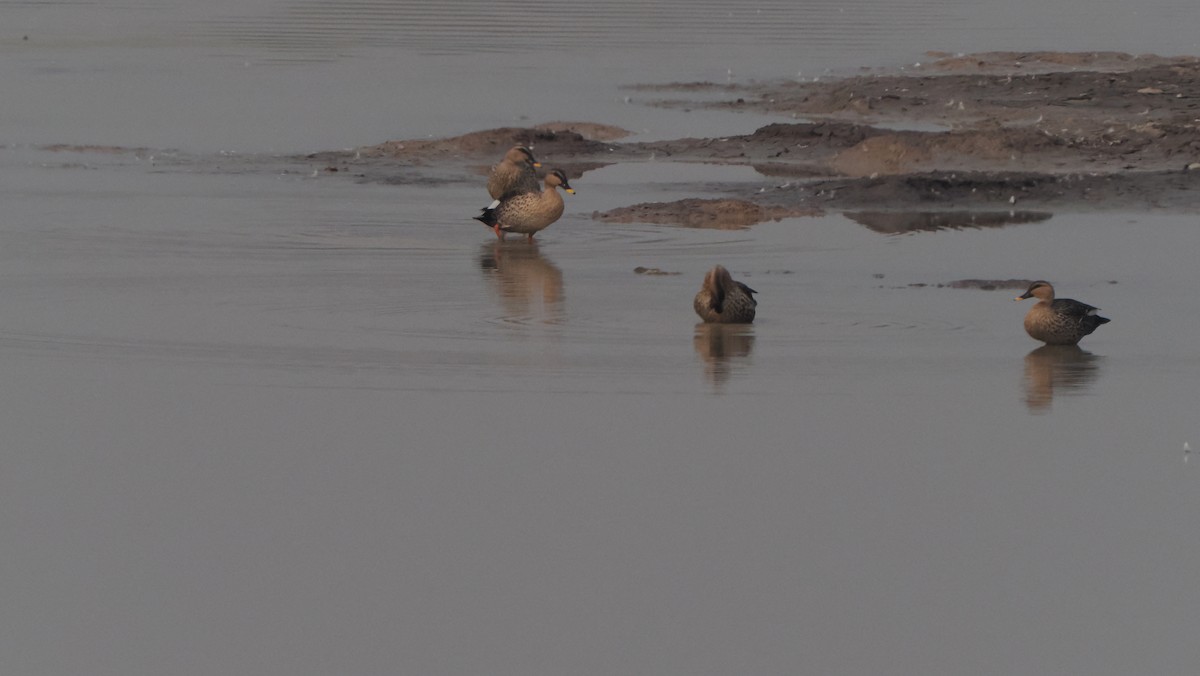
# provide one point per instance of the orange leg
(498, 231)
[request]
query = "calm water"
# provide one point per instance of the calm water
(269, 423)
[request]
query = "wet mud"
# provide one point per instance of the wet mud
(719, 214)
(898, 222)
(961, 141)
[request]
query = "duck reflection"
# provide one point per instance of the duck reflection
(722, 346)
(1065, 369)
(528, 284)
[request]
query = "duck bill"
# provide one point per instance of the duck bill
(570, 190)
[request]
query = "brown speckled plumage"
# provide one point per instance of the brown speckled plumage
(527, 212)
(514, 173)
(724, 301)
(1061, 321)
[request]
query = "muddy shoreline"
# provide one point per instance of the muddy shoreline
(995, 132)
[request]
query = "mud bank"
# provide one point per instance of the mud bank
(720, 214)
(1003, 130)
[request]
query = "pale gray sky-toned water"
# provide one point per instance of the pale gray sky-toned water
(288, 76)
(258, 422)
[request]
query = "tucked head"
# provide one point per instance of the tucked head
(521, 154)
(557, 179)
(1040, 290)
(717, 278)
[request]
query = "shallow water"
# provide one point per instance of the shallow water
(274, 423)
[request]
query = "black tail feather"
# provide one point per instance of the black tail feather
(487, 217)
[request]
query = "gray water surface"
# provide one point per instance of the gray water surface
(259, 422)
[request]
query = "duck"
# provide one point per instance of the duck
(514, 173)
(527, 212)
(722, 300)
(1060, 321)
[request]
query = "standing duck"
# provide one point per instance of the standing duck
(527, 212)
(1060, 321)
(724, 301)
(514, 173)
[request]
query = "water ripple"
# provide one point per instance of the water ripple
(476, 26)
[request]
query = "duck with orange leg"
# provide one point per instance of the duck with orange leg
(527, 213)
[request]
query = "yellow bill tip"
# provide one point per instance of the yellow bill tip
(570, 190)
